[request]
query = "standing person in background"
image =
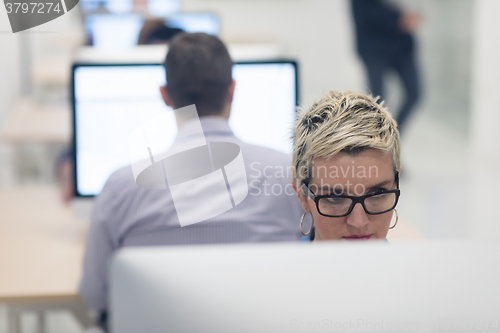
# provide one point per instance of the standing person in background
(385, 42)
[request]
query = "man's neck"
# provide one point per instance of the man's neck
(182, 120)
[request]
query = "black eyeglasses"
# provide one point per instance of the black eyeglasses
(332, 205)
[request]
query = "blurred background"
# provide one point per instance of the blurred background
(438, 143)
(450, 151)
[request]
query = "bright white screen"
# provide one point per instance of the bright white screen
(116, 32)
(110, 101)
(194, 22)
(263, 108)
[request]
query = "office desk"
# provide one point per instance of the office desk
(32, 122)
(41, 249)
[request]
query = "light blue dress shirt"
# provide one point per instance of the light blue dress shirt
(126, 215)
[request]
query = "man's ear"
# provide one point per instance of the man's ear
(230, 91)
(302, 198)
(166, 96)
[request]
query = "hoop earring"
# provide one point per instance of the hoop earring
(301, 225)
(397, 218)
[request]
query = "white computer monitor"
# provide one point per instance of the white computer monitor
(110, 100)
(328, 287)
(195, 22)
(114, 31)
(121, 30)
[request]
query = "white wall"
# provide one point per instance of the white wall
(486, 78)
(485, 128)
(9, 89)
(9, 66)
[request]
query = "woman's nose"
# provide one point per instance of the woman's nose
(358, 217)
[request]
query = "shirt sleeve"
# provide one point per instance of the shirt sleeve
(99, 249)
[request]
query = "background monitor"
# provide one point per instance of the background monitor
(113, 31)
(109, 101)
(195, 22)
(121, 31)
(329, 287)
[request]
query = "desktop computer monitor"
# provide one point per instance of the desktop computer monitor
(121, 30)
(195, 22)
(113, 31)
(109, 101)
(325, 287)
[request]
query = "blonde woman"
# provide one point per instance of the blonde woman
(346, 168)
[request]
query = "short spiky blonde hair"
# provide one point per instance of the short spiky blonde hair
(342, 122)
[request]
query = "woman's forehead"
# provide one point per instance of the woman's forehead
(364, 158)
(371, 165)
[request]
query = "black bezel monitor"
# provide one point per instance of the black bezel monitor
(254, 100)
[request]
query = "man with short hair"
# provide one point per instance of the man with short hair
(198, 68)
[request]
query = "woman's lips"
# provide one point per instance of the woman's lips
(357, 237)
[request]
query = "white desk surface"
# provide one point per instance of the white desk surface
(41, 247)
(31, 122)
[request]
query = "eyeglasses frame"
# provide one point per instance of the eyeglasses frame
(354, 200)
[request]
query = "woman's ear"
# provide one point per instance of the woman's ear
(302, 197)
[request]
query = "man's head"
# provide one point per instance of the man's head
(199, 71)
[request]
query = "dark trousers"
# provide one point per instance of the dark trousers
(406, 68)
(102, 321)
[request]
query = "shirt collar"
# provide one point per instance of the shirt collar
(211, 125)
